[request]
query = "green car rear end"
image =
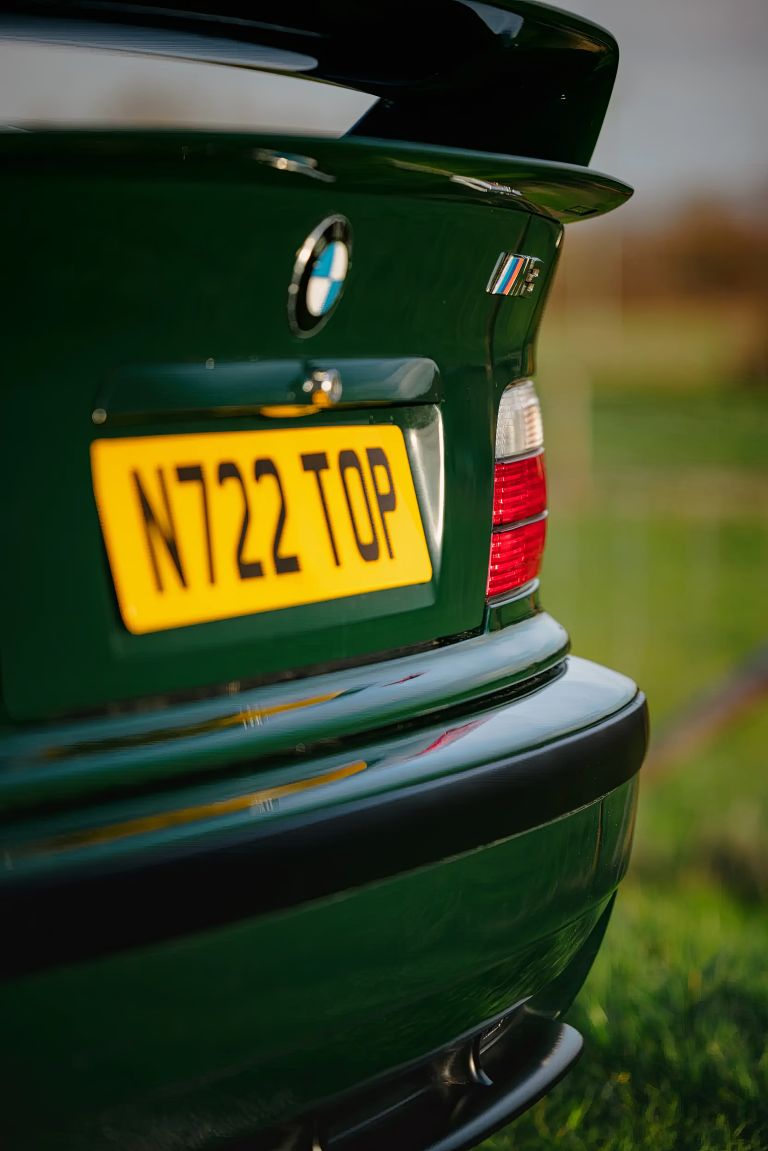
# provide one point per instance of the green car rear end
(310, 825)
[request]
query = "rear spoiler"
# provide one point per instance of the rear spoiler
(513, 77)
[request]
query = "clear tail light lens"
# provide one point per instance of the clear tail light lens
(518, 427)
(519, 492)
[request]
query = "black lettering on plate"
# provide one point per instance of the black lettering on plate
(156, 529)
(317, 462)
(349, 461)
(247, 569)
(387, 501)
(194, 474)
(283, 564)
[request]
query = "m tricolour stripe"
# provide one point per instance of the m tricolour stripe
(509, 275)
(505, 274)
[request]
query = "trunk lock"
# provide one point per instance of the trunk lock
(323, 388)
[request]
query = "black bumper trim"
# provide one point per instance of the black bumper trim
(449, 1102)
(70, 916)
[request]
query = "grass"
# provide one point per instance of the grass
(655, 575)
(671, 430)
(673, 601)
(660, 343)
(674, 1018)
(658, 565)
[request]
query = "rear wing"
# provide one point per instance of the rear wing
(512, 77)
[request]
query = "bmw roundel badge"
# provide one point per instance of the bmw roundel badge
(318, 275)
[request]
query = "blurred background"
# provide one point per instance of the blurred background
(653, 369)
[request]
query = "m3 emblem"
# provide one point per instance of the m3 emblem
(514, 275)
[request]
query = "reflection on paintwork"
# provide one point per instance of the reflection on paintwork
(290, 162)
(260, 802)
(120, 749)
(586, 693)
(485, 185)
(450, 736)
(558, 194)
(217, 388)
(425, 447)
(246, 717)
(505, 25)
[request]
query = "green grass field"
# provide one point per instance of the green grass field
(658, 564)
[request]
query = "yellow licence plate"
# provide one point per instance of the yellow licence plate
(221, 524)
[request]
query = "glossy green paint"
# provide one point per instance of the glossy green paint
(156, 267)
(218, 1033)
(442, 747)
(229, 732)
(134, 255)
(136, 395)
(151, 273)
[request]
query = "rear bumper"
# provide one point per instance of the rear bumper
(207, 968)
(76, 884)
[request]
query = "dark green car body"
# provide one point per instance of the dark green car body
(257, 871)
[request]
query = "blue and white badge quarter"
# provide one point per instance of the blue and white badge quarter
(514, 275)
(319, 273)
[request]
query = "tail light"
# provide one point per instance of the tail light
(519, 492)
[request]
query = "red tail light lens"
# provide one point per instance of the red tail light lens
(515, 556)
(519, 490)
(519, 493)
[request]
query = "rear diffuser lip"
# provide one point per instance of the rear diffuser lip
(447, 1101)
